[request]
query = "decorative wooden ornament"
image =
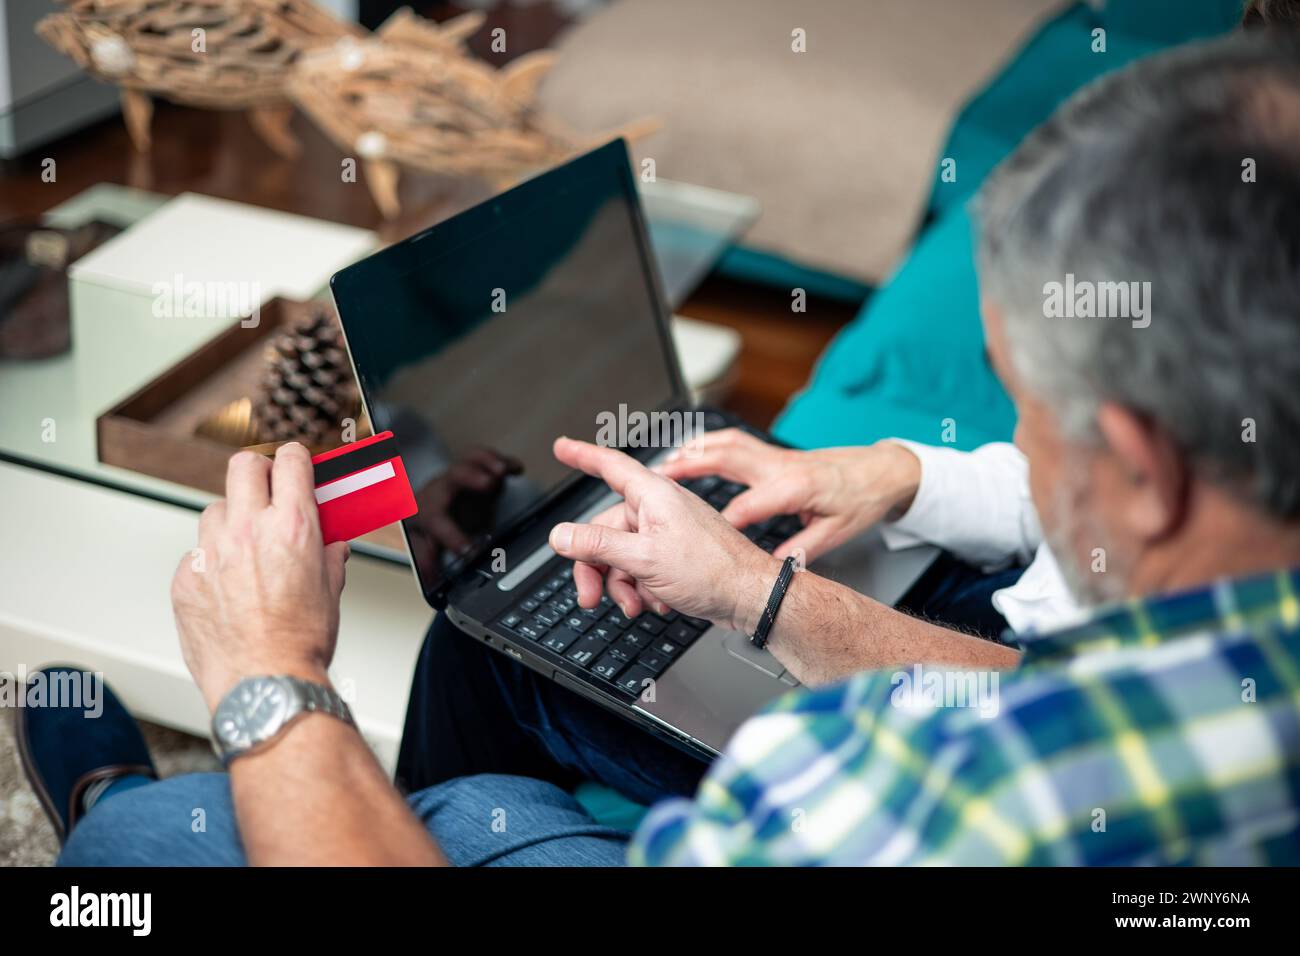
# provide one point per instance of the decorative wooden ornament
(412, 96)
(213, 54)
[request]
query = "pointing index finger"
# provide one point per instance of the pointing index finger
(624, 474)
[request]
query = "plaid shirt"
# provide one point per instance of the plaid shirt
(1164, 731)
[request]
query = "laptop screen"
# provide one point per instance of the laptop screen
(483, 339)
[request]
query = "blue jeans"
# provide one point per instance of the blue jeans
(486, 740)
(488, 820)
(483, 733)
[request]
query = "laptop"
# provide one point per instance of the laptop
(477, 342)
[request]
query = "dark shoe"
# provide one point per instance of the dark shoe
(64, 749)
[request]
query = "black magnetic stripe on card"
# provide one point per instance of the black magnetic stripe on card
(342, 465)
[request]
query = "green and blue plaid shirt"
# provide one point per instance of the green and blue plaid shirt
(1164, 731)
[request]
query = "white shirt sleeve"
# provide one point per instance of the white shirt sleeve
(974, 504)
(977, 506)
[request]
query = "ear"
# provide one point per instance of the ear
(1151, 475)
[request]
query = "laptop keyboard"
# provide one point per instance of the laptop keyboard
(617, 653)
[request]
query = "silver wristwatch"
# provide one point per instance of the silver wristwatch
(258, 709)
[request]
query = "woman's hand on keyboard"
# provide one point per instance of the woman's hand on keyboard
(838, 493)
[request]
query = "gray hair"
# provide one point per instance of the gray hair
(1140, 177)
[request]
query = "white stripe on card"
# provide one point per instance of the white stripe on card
(362, 479)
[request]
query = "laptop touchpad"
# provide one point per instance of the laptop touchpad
(738, 645)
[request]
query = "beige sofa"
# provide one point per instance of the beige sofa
(840, 143)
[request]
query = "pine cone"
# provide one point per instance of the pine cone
(308, 388)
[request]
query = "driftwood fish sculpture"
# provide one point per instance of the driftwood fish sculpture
(406, 97)
(213, 54)
(409, 95)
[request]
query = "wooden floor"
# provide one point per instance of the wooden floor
(779, 348)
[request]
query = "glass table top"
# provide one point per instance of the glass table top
(49, 407)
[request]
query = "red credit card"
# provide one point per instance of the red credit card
(360, 487)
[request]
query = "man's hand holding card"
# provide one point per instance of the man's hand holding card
(361, 487)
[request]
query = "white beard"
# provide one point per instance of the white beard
(1072, 529)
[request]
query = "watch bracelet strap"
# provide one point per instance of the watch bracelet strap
(768, 617)
(317, 698)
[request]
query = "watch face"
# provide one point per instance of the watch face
(251, 713)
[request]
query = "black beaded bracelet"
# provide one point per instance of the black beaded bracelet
(759, 637)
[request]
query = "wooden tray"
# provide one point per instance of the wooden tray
(152, 430)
